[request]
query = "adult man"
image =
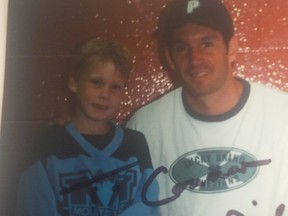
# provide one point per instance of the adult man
(222, 139)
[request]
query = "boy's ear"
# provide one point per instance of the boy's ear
(72, 84)
(233, 49)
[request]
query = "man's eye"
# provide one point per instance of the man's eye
(179, 48)
(207, 44)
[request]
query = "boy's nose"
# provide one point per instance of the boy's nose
(104, 93)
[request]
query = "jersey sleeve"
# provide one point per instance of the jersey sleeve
(35, 194)
(141, 150)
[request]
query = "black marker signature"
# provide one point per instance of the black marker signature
(177, 188)
(192, 183)
(97, 178)
(214, 176)
(279, 211)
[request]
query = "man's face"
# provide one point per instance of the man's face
(201, 58)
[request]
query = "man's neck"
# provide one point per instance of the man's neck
(217, 103)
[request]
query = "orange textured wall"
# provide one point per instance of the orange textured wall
(42, 33)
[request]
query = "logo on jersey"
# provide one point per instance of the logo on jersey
(109, 196)
(214, 170)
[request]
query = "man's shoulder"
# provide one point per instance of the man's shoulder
(161, 102)
(274, 101)
(155, 109)
(269, 91)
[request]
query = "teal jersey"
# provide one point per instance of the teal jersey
(71, 176)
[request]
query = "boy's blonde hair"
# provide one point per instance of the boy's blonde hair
(103, 50)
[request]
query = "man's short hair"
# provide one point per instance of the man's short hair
(210, 13)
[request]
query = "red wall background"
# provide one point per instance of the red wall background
(41, 34)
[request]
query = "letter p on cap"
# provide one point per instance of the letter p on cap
(191, 5)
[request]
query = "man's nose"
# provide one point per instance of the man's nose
(195, 56)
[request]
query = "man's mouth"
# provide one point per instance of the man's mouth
(198, 73)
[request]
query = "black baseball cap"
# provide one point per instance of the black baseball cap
(209, 13)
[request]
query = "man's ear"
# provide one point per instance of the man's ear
(169, 65)
(72, 84)
(169, 61)
(233, 49)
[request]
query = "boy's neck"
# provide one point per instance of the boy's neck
(92, 127)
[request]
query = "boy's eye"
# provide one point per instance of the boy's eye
(96, 82)
(117, 87)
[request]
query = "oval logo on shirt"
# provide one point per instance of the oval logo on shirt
(214, 170)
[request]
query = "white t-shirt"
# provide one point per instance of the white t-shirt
(231, 164)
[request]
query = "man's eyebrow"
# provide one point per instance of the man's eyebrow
(210, 37)
(173, 42)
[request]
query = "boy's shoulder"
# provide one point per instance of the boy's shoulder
(52, 131)
(128, 132)
(54, 140)
(134, 144)
(132, 136)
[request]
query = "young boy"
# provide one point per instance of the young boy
(91, 166)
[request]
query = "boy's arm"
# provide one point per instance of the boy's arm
(151, 192)
(35, 195)
(139, 208)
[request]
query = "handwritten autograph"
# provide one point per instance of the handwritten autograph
(192, 183)
(214, 176)
(279, 211)
(177, 189)
(99, 178)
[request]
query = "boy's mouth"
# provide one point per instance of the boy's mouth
(100, 107)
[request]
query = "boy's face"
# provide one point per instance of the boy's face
(99, 91)
(201, 58)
